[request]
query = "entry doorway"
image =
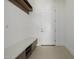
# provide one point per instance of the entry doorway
(44, 17)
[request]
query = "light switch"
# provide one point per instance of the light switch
(6, 26)
(42, 30)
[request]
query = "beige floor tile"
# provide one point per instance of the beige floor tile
(50, 52)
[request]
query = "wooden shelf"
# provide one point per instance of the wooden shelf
(28, 51)
(23, 4)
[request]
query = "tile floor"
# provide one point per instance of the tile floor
(51, 52)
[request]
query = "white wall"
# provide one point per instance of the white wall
(18, 25)
(60, 4)
(65, 24)
(69, 26)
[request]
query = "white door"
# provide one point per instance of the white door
(44, 17)
(47, 28)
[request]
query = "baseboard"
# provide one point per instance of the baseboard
(48, 45)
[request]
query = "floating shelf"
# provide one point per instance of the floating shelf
(23, 4)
